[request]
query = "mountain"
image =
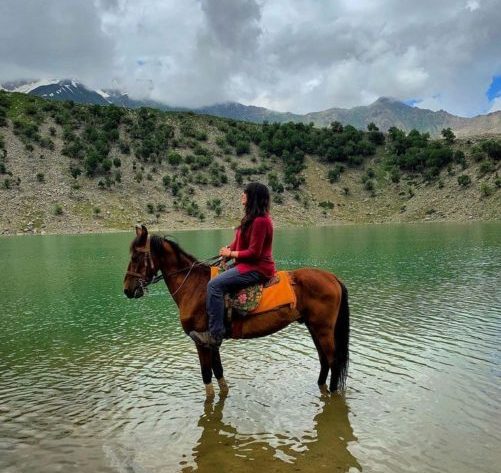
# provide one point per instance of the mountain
(248, 113)
(58, 90)
(385, 112)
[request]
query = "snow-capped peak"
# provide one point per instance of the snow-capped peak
(26, 86)
(103, 94)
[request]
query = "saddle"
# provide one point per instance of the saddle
(276, 292)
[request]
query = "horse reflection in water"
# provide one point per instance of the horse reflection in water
(222, 448)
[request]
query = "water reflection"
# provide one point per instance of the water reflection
(221, 447)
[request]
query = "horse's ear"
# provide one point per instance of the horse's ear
(141, 233)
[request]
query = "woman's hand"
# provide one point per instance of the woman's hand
(225, 252)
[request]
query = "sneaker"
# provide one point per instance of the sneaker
(205, 339)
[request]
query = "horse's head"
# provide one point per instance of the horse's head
(141, 269)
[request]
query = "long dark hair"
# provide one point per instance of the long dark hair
(258, 203)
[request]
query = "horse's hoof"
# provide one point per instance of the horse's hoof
(209, 392)
(223, 387)
(323, 389)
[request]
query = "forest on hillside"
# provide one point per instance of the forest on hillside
(193, 152)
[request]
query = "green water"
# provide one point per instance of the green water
(91, 381)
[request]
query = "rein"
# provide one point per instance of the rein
(158, 277)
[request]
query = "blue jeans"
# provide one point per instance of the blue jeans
(229, 281)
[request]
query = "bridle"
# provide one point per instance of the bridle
(148, 263)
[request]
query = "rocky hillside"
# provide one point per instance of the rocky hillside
(69, 168)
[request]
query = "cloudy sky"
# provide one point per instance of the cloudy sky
(296, 55)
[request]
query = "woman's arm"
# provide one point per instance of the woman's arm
(258, 234)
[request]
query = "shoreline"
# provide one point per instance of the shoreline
(157, 230)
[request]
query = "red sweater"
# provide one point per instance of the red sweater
(254, 247)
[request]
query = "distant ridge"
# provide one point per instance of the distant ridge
(385, 112)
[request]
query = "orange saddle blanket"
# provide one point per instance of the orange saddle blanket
(277, 295)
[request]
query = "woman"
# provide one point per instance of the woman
(251, 250)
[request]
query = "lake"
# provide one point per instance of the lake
(93, 382)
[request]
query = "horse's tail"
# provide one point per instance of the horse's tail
(341, 340)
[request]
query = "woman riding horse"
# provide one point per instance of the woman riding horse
(251, 250)
(322, 301)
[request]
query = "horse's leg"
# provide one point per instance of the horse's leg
(324, 364)
(217, 369)
(325, 340)
(205, 357)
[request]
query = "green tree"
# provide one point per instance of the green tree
(448, 135)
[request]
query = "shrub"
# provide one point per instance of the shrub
(150, 208)
(493, 149)
(166, 181)
(40, 177)
(57, 209)
(75, 171)
(91, 164)
(334, 174)
(464, 180)
(242, 147)
(376, 137)
(106, 165)
(326, 205)
(96, 211)
(215, 205)
(477, 154)
(138, 177)
(369, 185)
(117, 162)
(486, 166)
(201, 135)
(175, 188)
(124, 147)
(274, 183)
(201, 151)
(486, 190)
(278, 199)
(395, 175)
(174, 158)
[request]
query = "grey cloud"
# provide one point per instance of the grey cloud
(299, 56)
(52, 38)
(234, 23)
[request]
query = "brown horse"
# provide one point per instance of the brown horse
(322, 305)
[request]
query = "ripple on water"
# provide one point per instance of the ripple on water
(94, 382)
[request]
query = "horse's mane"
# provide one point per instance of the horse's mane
(156, 245)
